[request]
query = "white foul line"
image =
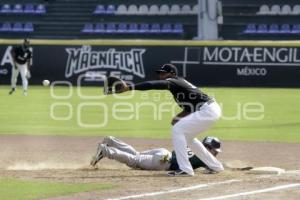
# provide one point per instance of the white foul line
(281, 187)
(175, 190)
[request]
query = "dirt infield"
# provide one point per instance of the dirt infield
(64, 159)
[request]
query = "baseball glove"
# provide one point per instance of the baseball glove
(113, 85)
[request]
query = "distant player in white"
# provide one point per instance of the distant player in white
(21, 56)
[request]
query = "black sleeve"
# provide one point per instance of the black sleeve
(151, 85)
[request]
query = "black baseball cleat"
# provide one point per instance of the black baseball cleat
(12, 91)
(178, 173)
(98, 156)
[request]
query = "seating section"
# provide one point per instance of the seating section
(133, 28)
(143, 9)
(260, 20)
(82, 19)
(16, 27)
(279, 10)
(23, 9)
(272, 29)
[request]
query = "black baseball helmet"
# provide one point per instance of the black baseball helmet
(26, 43)
(212, 142)
(169, 68)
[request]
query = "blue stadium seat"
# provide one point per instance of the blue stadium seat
(285, 29)
(155, 28)
(17, 27)
(40, 9)
(100, 28)
(28, 27)
(6, 27)
(111, 28)
(133, 28)
(251, 28)
(18, 8)
(29, 8)
(6, 8)
(144, 28)
(99, 10)
(296, 29)
(122, 28)
(166, 28)
(88, 28)
(178, 28)
(111, 9)
(274, 29)
(262, 28)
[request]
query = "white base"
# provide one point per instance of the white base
(267, 170)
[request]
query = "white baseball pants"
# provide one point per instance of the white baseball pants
(184, 134)
(147, 160)
(22, 68)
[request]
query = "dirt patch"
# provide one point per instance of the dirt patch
(64, 159)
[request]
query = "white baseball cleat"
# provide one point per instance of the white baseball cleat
(98, 156)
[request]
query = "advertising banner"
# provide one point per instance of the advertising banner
(234, 66)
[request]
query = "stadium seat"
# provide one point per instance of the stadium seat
(264, 10)
(40, 9)
(275, 10)
(121, 10)
(175, 9)
(99, 10)
(18, 8)
(186, 9)
(28, 27)
(133, 28)
(144, 28)
(274, 28)
(262, 28)
(296, 29)
(111, 9)
(296, 10)
(166, 28)
(122, 28)
(164, 9)
(17, 27)
(132, 9)
(99, 28)
(111, 28)
(178, 28)
(251, 28)
(154, 10)
(155, 28)
(143, 10)
(29, 8)
(196, 9)
(6, 27)
(286, 10)
(88, 28)
(6, 8)
(285, 29)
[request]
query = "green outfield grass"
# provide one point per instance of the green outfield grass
(28, 190)
(31, 115)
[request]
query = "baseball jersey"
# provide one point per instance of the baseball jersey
(187, 96)
(194, 160)
(21, 56)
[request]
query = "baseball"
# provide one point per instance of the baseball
(46, 82)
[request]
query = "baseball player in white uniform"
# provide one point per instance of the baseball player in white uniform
(159, 159)
(21, 56)
(199, 113)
